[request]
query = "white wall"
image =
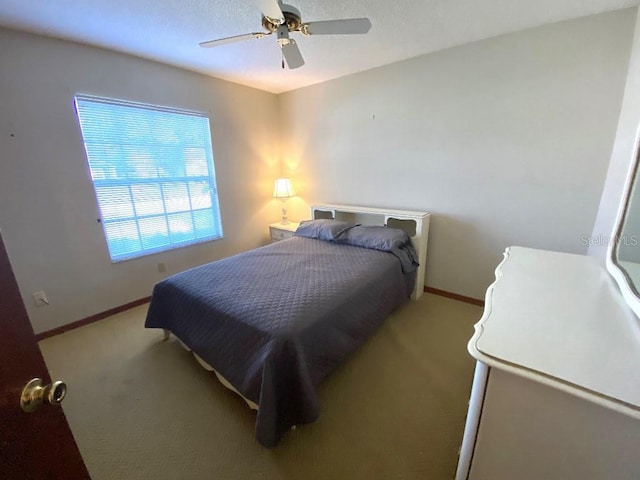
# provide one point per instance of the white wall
(506, 141)
(48, 209)
(622, 156)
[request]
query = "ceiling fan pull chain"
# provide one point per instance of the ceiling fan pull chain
(283, 62)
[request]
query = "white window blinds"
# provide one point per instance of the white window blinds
(153, 173)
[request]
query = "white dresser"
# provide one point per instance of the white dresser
(556, 393)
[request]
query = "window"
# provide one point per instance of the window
(152, 171)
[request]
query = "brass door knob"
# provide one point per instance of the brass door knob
(35, 393)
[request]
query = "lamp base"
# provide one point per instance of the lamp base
(285, 220)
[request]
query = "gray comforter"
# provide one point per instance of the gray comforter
(276, 320)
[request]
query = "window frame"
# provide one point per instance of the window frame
(161, 181)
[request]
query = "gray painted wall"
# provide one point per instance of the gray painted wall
(506, 141)
(48, 209)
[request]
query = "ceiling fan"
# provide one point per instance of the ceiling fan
(283, 19)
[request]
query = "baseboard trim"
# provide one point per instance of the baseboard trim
(141, 301)
(455, 296)
(91, 319)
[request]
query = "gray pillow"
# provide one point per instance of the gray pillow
(386, 239)
(375, 237)
(323, 229)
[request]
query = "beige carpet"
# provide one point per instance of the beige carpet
(141, 408)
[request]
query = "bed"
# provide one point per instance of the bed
(274, 321)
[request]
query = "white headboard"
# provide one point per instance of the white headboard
(416, 224)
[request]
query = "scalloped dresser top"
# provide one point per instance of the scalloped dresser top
(559, 319)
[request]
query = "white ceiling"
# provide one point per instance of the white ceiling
(169, 31)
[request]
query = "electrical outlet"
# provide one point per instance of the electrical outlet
(40, 299)
(162, 267)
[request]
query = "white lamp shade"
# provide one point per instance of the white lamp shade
(283, 188)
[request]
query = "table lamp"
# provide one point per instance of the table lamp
(283, 189)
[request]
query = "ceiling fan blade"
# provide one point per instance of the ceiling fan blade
(292, 55)
(348, 26)
(237, 38)
(271, 9)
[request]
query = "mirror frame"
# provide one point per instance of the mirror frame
(627, 288)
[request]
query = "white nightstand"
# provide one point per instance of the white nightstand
(281, 231)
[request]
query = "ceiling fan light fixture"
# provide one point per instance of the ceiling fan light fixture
(282, 33)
